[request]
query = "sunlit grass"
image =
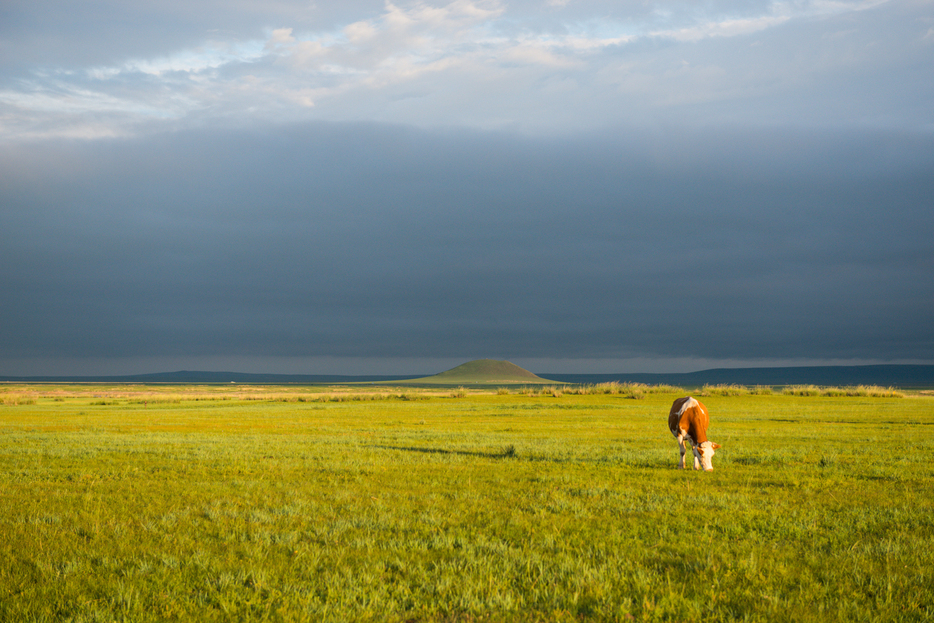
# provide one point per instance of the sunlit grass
(872, 391)
(211, 504)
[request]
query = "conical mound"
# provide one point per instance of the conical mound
(485, 371)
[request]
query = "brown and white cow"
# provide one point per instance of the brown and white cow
(688, 420)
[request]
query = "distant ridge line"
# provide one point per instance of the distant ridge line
(895, 375)
(186, 376)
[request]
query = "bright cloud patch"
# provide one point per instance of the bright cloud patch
(474, 62)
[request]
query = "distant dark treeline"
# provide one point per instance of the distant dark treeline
(185, 377)
(903, 376)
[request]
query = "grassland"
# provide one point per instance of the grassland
(232, 503)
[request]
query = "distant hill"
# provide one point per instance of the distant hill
(486, 371)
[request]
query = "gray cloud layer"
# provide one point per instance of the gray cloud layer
(377, 241)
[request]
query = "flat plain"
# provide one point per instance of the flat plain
(236, 503)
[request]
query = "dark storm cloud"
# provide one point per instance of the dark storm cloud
(380, 241)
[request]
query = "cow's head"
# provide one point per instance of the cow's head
(705, 452)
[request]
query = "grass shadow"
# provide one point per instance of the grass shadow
(508, 452)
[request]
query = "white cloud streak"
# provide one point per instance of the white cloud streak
(473, 62)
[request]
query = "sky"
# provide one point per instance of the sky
(367, 187)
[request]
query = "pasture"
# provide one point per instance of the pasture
(232, 503)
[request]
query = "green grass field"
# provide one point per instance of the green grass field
(314, 504)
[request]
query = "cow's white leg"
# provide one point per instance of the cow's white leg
(697, 462)
(680, 438)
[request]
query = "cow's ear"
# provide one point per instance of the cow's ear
(715, 446)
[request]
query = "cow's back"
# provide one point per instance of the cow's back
(689, 415)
